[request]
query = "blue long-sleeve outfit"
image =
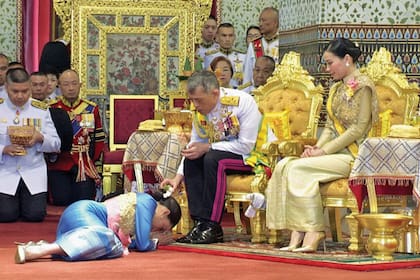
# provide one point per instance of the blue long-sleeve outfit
(91, 230)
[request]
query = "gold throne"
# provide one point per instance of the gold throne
(293, 102)
(398, 99)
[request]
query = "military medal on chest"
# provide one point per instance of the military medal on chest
(16, 120)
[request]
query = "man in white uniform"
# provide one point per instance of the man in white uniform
(225, 127)
(4, 64)
(23, 188)
(268, 44)
(208, 44)
(225, 36)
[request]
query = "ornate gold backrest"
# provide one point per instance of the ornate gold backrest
(291, 88)
(394, 91)
(132, 46)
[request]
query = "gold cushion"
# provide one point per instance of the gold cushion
(389, 99)
(279, 123)
(382, 127)
(292, 100)
(404, 131)
(239, 183)
(337, 188)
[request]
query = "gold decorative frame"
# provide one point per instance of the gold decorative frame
(164, 30)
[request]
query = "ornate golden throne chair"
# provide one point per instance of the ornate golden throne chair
(292, 101)
(397, 100)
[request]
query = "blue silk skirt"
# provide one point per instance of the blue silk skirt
(83, 233)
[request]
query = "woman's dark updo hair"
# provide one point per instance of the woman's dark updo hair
(170, 203)
(342, 46)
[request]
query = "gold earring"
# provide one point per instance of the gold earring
(347, 64)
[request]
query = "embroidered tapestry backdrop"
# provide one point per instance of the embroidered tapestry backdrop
(305, 13)
(11, 28)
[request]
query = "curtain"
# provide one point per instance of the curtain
(36, 31)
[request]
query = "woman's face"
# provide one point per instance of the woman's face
(224, 74)
(52, 83)
(161, 220)
(252, 35)
(336, 65)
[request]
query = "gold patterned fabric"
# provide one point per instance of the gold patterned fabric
(155, 151)
(293, 197)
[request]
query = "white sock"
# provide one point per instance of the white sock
(257, 202)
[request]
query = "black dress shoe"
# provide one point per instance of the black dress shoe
(210, 233)
(192, 233)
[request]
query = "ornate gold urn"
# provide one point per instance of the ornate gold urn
(382, 242)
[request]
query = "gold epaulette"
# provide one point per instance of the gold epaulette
(230, 100)
(1, 100)
(210, 52)
(89, 102)
(52, 101)
(39, 104)
(248, 84)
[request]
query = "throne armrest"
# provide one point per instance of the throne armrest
(287, 148)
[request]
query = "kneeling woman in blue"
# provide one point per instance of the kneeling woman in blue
(90, 230)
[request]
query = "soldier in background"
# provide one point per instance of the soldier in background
(263, 69)
(23, 192)
(73, 176)
(225, 36)
(268, 44)
(208, 34)
(4, 63)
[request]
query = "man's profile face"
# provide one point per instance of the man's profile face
(70, 85)
(19, 93)
(268, 22)
(209, 30)
(204, 102)
(39, 87)
(225, 37)
(4, 63)
(262, 71)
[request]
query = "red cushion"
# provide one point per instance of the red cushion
(114, 157)
(128, 113)
(179, 102)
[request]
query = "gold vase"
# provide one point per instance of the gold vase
(382, 242)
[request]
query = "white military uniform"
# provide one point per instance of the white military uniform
(200, 53)
(269, 48)
(30, 167)
(3, 92)
(236, 58)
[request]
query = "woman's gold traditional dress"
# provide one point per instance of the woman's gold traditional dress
(293, 197)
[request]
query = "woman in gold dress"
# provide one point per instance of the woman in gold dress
(292, 196)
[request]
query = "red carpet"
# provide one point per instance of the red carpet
(162, 264)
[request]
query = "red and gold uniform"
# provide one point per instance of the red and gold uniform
(88, 141)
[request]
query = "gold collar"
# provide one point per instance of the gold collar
(225, 51)
(272, 38)
(69, 104)
(206, 44)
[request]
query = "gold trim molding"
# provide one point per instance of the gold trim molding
(90, 25)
